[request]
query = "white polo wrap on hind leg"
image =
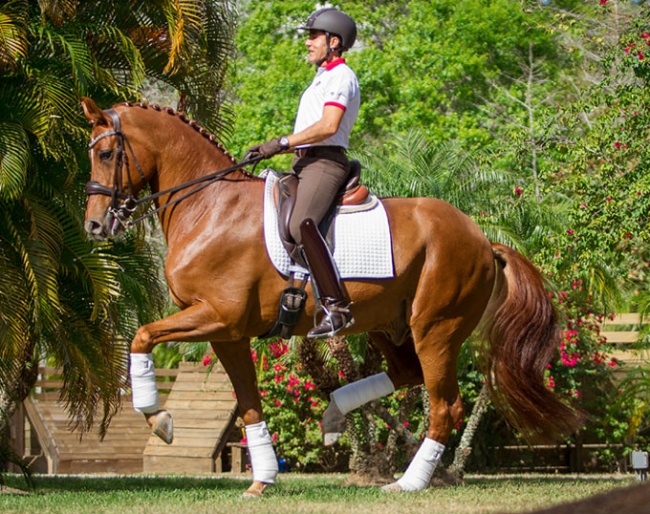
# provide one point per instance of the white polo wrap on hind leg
(355, 394)
(143, 383)
(260, 450)
(418, 475)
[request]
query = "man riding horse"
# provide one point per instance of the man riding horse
(327, 112)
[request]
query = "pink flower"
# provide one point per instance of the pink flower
(207, 360)
(603, 2)
(608, 199)
(613, 363)
(551, 382)
(570, 232)
(645, 35)
(518, 191)
(641, 56)
(406, 424)
(274, 438)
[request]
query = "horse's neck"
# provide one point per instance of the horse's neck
(212, 206)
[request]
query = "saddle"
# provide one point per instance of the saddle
(352, 193)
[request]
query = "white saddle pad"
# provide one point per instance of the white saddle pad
(362, 241)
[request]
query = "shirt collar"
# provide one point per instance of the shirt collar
(333, 64)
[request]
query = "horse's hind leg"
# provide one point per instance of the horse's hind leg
(438, 355)
(403, 370)
(236, 360)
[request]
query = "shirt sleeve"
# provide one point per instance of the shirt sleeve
(339, 91)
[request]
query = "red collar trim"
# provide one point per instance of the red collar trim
(334, 63)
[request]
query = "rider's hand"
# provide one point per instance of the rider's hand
(265, 150)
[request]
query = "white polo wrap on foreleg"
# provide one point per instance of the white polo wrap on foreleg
(419, 473)
(262, 455)
(143, 383)
(354, 395)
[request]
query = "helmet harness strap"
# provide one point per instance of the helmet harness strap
(329, 49)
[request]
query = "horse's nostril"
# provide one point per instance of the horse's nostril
(94, 228)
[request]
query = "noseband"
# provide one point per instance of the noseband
(124, 202)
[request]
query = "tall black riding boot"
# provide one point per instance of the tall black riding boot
(334, 302)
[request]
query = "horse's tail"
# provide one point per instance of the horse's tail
(521, 329)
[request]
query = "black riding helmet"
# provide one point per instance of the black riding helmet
(334, 22)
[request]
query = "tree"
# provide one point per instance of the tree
(62, 298)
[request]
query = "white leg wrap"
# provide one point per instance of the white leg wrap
(419, 473)
(355, 394)
(260, 450)
(143, 383)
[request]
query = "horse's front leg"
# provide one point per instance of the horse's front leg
(236, 360)
(196, 323)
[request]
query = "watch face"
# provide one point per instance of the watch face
(284, 141)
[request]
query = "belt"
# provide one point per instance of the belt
(315, 151)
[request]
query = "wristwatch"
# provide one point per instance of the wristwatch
(284, 142)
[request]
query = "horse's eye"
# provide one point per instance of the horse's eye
(105, 155)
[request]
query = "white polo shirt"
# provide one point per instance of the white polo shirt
(335, 84)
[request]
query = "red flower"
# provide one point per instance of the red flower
(603, 2)
(518, 191)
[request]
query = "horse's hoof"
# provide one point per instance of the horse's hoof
(333, 424)
(163, 426)
(331, 438)
(256, 490)
(392, 488)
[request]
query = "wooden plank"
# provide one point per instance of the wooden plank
(198, 424)
(621, 337)
(175, 464)
(202, 388)
(199, 404)
(626, 318)
(171, 450)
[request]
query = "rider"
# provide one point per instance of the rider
(327, 112)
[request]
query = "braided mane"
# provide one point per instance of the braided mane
(193, 124)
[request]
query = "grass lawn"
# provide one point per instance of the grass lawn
(293, 494)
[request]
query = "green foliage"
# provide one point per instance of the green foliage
(294, 409)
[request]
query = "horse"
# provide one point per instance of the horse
(448, 279)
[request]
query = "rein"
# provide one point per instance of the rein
(130, 201)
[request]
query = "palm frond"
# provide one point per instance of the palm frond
(13, 33)
(14, 159)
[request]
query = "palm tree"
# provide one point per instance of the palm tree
(62, 298)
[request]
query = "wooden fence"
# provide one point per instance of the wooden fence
(204, 410)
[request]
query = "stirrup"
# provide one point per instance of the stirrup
(335, 318)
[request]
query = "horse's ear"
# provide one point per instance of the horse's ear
(94, 114)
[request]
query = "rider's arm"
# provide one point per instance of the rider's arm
(326, 127)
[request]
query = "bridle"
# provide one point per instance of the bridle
(123, 200)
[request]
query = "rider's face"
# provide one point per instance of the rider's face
(317, 45)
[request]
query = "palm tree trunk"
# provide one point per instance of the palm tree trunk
(464, 450)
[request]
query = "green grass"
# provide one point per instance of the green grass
(291, 495)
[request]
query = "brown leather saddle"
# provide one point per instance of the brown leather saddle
(352, 193)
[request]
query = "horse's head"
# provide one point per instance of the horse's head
(119, 170)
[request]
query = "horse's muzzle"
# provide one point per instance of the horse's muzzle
(101, 231)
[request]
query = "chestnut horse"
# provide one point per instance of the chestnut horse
(447, 277)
